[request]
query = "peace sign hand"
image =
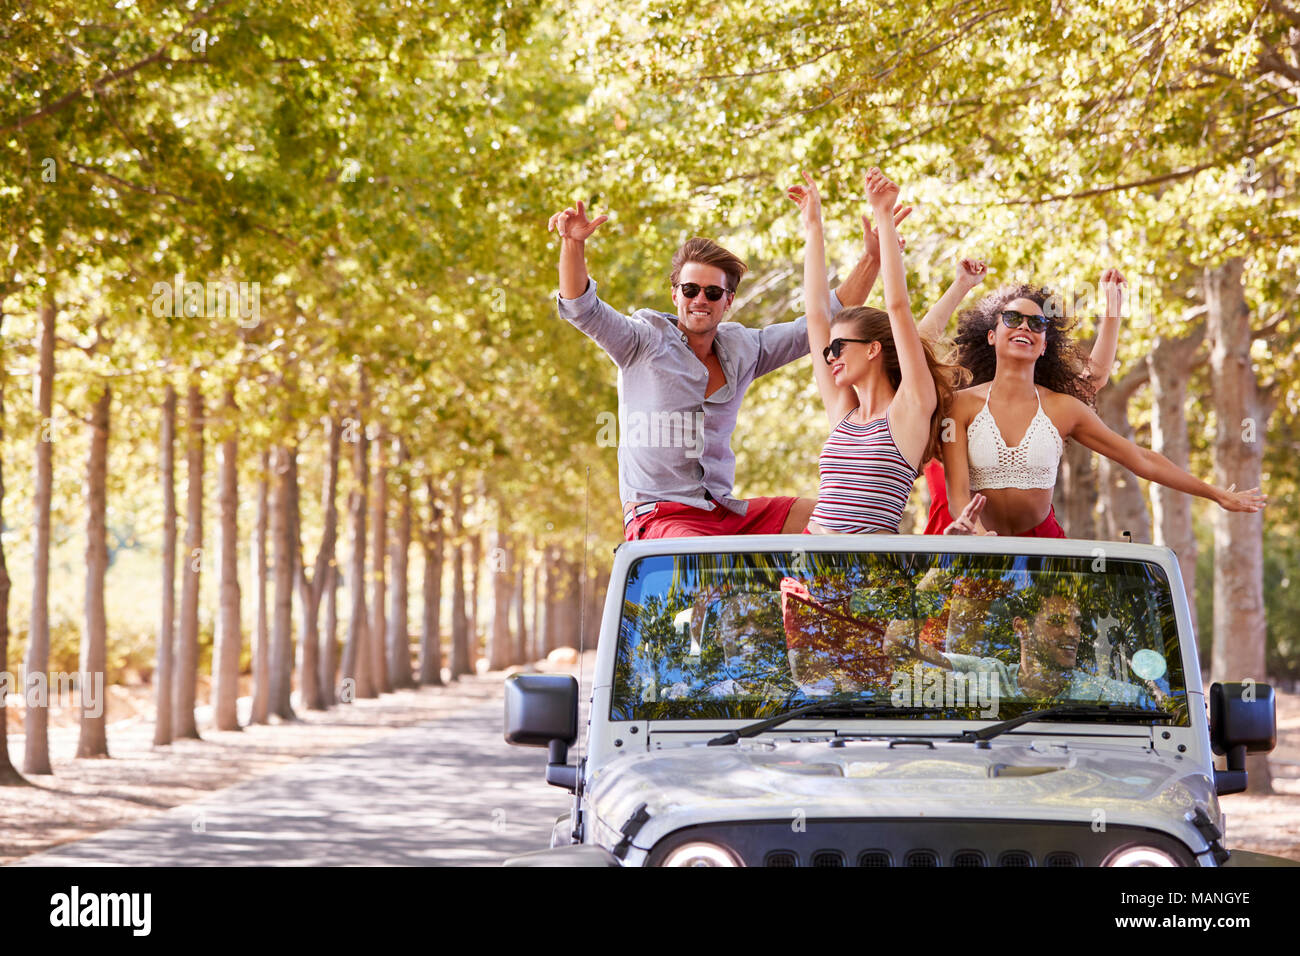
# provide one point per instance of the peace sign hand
(965, 522)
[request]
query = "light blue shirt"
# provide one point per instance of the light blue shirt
(1082, 685)
(674, 443)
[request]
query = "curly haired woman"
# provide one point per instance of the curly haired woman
(1026, 396)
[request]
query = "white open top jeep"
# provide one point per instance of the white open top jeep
(880, 701)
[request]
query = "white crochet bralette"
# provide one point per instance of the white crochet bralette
(1030, 464)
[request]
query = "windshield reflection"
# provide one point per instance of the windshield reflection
(749, 635)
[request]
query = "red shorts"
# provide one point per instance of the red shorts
(1048, 528)
(936, 485)
(940, 517)
(669, 519)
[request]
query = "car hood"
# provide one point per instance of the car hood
(1122, 782)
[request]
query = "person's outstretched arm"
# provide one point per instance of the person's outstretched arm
(574, 229)
(1102, 359)
(956, 471)
(970, 273)
(916, 398)
(862, 277)
(579, 305)
(817, 300)
(1091, 431)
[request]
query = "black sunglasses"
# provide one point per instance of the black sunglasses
(837, 346)
(1012, 319)
(711, 292)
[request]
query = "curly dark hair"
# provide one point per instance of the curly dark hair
(1059, 369)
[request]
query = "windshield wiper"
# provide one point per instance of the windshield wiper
(846, 707)
(1066, 712)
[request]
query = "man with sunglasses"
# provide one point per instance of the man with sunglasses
(692, 370)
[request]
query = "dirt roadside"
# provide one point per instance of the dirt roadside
(83, 797)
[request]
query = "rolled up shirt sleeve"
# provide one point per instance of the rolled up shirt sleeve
(619, 335)
(785, 342)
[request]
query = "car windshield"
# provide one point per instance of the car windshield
(962, 636)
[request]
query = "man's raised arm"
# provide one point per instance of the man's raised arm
(857, 284)
(579, 305)
(574, 229)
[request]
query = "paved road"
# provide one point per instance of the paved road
(446, 793)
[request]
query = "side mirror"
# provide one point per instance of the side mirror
(1243, 719)
(542, 711)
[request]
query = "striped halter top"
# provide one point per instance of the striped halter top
(865, 480)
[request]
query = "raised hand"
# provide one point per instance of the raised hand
(882, 192)
(971, 272)
(1112, 287)
(1244, 501)
(572, 223)
(809, 201)
(871, 238)
(965, 523)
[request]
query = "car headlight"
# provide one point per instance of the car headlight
(700, 854)
(1140, 856)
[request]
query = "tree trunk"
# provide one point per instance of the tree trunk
(162, 677)
(1242, 411)
(430, 636)
(554, 592)
(596, 585)
(1125, 507)
(9, 775)
(476, 637)
(1076, 494)
(519, 651)
(379, 582)
(399, 640)
(577, 595)
(282, 529)
(185, 685)
(92, 740)
(460, 659)
(262, 652)
(501, 563)
(230, 633)
(533, 650)
(356, 654)
(316, 690)
(329, 656)
(36, 758)
(1170, 362)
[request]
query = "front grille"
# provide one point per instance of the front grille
(921, 843)
(1015, 858)
(828, 858)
